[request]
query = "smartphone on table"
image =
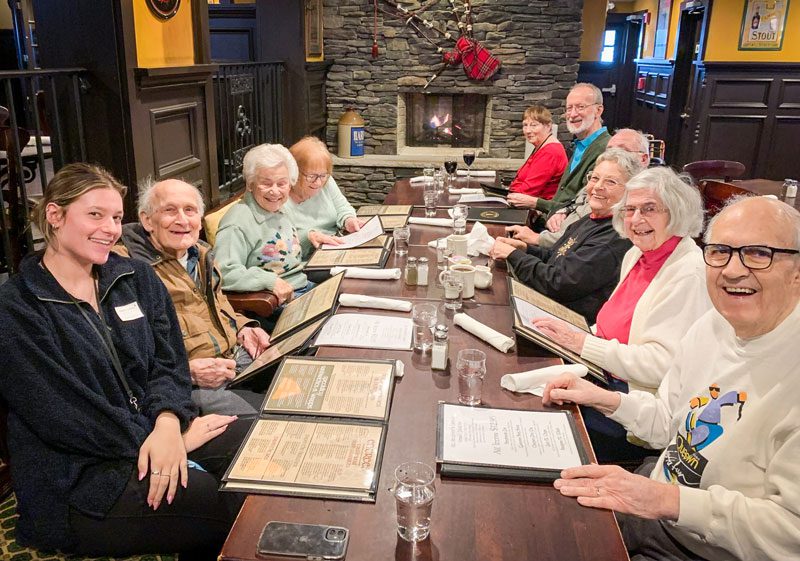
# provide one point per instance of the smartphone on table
(314, 542)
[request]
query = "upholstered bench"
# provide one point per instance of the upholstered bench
(10, 550)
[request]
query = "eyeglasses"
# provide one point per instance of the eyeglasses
(753, 257)
(580, 108)
(312, 177)
(646, 211)
(591, 177)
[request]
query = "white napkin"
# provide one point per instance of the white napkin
(478, 240)
(478, 173)
(533, 381)
(362, 273)
(494, 338)
(399, 368)
(362, 301)
(420, 179)
(465, 191)
(431, 221)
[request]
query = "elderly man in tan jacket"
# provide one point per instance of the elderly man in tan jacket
(219, 342)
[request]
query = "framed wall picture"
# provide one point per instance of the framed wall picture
(763, 25)
(662, 28)
(313, 9)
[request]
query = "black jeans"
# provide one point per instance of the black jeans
(195, 524)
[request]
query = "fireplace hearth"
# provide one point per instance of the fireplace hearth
(445, 120)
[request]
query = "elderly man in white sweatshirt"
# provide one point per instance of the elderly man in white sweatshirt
(727, 485)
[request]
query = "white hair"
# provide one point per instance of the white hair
(269, 156)
(783, 211)
(627, 162)
(677, 193)
(596, 93)
(145, 201)
(638, 138)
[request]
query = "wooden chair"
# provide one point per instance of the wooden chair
(261, 303)
(716, 193)
(714, 169)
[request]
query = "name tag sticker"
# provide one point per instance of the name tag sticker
(129, 312)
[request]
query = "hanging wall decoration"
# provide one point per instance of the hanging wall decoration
(763, 24)
(476, 60)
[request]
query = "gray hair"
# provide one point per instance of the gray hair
(639, 138)
(269, 156)
(145, 200)
(596, 93)
(627, 162)
(677, 193)
(784, 211)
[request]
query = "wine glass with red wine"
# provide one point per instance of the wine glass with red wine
(469, 157)
(450, 166)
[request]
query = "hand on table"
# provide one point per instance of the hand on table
(318, 238)
(568, 388)
(554, 222)
(204, 429)
(503, 247)
(283, 291)
(254, 340)
(212, 372)
(523, 233)
(163, 456)
(613, 488)
(521, 201)
(560, 332)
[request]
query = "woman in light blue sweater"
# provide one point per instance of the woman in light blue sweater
(316, 206)
(257, 247)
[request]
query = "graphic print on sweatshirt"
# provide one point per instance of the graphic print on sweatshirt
(683, 461)
(277, 252)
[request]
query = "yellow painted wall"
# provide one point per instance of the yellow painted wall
(163, 43)
(726, 23)
(594, 22)
(649, 30)
(5, 16)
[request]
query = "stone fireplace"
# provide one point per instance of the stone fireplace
(537, 41)
(434, 121)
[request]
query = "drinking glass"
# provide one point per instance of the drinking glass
(414, 493)
(438, 181)
(471, 368)
(469, 157)
(452, 285)
(428, 174)
(450, 167)
(460, 212)
(424, 317)
(401, 236)
(431, 197)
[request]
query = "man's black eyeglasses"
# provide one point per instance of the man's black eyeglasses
(753, 256)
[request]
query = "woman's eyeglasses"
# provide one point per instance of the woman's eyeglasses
(312, 177)
(753, 257)
(645, 211)
(607, 181)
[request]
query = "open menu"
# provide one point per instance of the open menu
(368, 232)
(391, 216)
(321, 432)
(366, 331)
(294, 343)
(314, 304)
(529, 304)
(491, 443)
(367, 256)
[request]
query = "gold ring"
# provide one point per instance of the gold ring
(155, 472)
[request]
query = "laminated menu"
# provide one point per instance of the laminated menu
(391, 216)
(318, 302)
(369, 255)
(529, 305)
(498, 215)
(321, 432)
(492, 443)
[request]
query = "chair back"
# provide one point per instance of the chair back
(716, 193)
(714, 169)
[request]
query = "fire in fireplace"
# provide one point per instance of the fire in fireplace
(445, 120)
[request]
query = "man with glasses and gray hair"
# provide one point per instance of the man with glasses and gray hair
(726, 485)
(582, 117)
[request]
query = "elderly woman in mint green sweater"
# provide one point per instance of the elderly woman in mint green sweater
(316, 206)
(257, 247)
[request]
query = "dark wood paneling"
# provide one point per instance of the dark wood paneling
(782, 148)
(176, 145)
(733, 137)
(651, 98)
(233, 33)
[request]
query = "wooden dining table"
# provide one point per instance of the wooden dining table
(472, 519)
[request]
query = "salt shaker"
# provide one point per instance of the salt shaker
(411, 275)
(789, 188)
(422, 271)
(440, 348)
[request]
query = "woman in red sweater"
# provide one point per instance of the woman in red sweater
(541, 172)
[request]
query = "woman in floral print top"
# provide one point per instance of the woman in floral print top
(257, 247)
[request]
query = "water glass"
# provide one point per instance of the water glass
(414, 493)
(438, 181)
(471, 368)
(401, 236)
(424, 317)
(428, 174)
(452, 286)
(431, 198)
(460, 212)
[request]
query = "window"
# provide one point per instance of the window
(609, 41)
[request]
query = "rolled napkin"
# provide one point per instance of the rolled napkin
(420, 179)
(399, 368)
(494, 338)
(533, 381)
(362, 273)
(478, 173)
(361, 301)
(431, 221)
(465, 191)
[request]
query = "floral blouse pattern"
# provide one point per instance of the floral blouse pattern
(275, 251)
